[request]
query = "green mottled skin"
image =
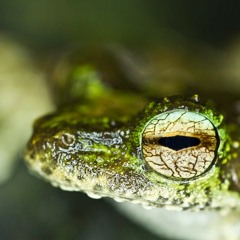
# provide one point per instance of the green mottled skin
(94, 145)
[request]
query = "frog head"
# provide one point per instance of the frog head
(172, 154)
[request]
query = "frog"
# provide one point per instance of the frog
(178, 154)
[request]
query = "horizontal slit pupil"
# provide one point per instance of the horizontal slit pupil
(178, 142)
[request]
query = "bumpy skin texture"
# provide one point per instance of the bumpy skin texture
(95, 146)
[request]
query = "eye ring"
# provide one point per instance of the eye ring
(180, 144)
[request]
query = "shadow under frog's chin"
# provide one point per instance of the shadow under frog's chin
(187, 225)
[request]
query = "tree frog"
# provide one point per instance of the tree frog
(177, 153)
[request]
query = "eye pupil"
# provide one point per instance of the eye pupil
(178, 142)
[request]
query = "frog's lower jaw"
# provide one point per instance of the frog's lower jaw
(207, 225)
(99, 183)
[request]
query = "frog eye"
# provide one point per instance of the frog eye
(180, 144)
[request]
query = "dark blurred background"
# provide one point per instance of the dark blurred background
(53, 24)
(31, 208)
